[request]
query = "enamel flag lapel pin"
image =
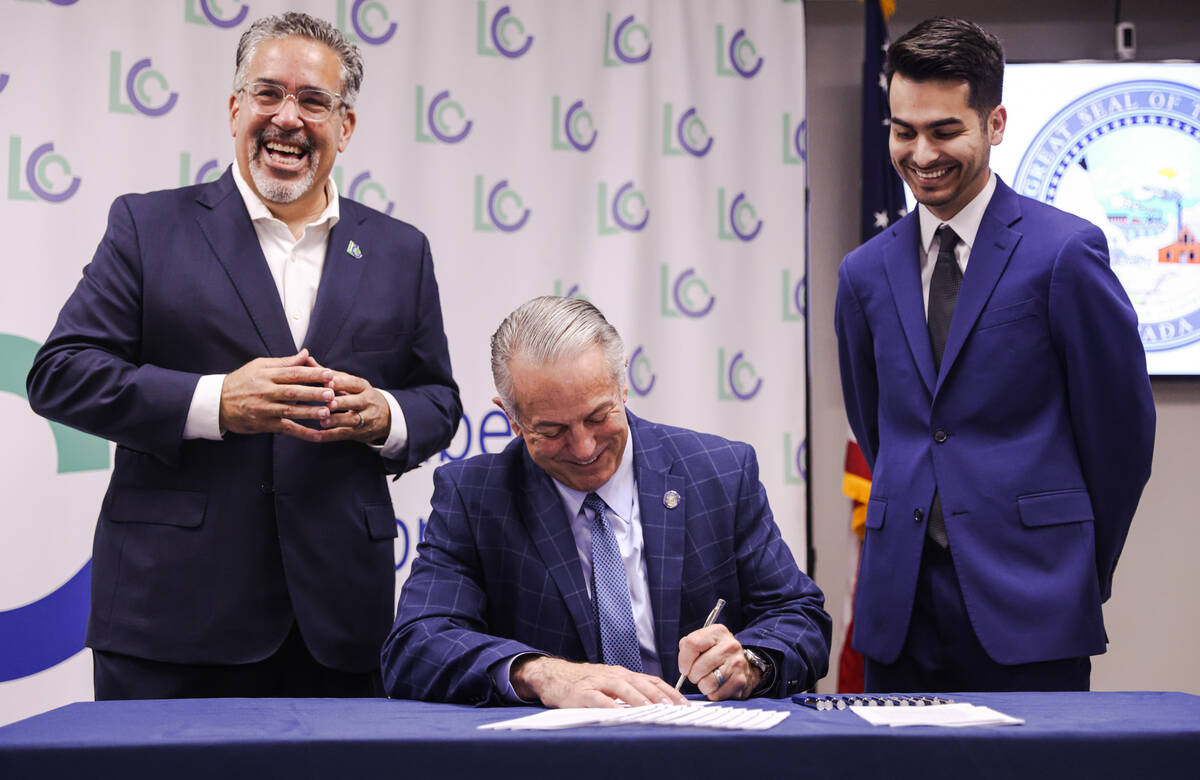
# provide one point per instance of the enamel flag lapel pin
(354, 251)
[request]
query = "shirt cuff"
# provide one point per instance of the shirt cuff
(204, 415)
(397, 438)
(501, 677)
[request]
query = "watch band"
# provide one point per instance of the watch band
(764, 665)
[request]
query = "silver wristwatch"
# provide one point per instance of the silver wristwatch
(763, 665)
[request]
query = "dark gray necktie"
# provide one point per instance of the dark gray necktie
(943, 295)
(943, 292)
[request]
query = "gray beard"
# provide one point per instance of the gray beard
(277, 191)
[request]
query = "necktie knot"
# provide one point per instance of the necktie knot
(947, 238)
(596, 504)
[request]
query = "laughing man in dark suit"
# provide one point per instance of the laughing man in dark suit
(263, 353)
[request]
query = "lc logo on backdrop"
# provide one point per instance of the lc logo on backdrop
(502, 34)
(740, 59)
(3, 81)
(37, 169)
(641, 373)
(629, 44)
(736, 379)
(436, 124)
(690, 133)
(795, 470)
(364, 190)
(134, 83)
(572, 290)
(207, 171)
(49, 629)
(687, 295)
(794, 297)
(795, 142)
(368, 22)
(499, 210)
(740, 221)
(628, 209)
(214, 12)
(576, 130)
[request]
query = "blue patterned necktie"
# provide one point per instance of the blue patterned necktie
(610, 593)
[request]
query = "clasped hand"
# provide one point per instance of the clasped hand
(269, 395)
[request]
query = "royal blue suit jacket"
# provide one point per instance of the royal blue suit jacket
(1038, 430)
(206, 551)
(498, 573)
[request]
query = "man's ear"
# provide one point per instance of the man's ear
(995, 125)
(511, 422)
(233, 112)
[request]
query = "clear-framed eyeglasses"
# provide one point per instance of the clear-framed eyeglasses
(313, 105)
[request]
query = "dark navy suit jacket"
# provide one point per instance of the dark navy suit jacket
(206, 551)
(498, 573)
(1038, 431)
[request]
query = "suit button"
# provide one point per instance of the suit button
(940, 436)
(918, 515)
(265, 488)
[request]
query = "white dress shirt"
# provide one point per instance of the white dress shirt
(965, 224)
(295, 265)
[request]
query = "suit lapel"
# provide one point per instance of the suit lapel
(662, 535)
(994, 245)
(902, 263)
(541, 509)
(340, 277)
(227, 227)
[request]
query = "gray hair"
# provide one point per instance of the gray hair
(295, 24)
(546, 330)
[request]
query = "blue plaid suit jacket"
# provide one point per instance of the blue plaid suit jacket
(497, 573)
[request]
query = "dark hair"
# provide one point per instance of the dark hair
(295, 24)
(943, 48)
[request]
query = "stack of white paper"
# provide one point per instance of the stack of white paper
(958, 714)
(654, 714)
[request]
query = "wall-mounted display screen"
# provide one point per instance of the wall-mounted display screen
(1119, 144)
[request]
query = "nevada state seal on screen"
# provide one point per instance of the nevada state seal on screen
(1126, 156)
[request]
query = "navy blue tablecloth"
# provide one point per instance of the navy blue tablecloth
(1093, 735)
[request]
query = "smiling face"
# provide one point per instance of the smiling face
(285, 158)
(939, 144)
(572, 417)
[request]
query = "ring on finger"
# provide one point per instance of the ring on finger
(719, 675)
(360, 422)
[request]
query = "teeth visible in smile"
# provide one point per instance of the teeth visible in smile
(930, 175)
(283, 148)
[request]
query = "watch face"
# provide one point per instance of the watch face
(755, 659)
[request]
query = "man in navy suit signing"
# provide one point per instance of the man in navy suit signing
(263, 352)
(577, 566)
(994, 377)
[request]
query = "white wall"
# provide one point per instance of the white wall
(1153, 618)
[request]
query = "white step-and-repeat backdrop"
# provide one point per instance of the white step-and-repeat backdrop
(649, 155)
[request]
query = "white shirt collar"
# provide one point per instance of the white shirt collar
(965, 223)
(259, 211)
(618, 492)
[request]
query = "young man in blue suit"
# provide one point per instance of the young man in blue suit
(263, 353)
(577, 566)
(993, 374)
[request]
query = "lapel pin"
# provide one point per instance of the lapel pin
(670, 499)
(353, 250)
